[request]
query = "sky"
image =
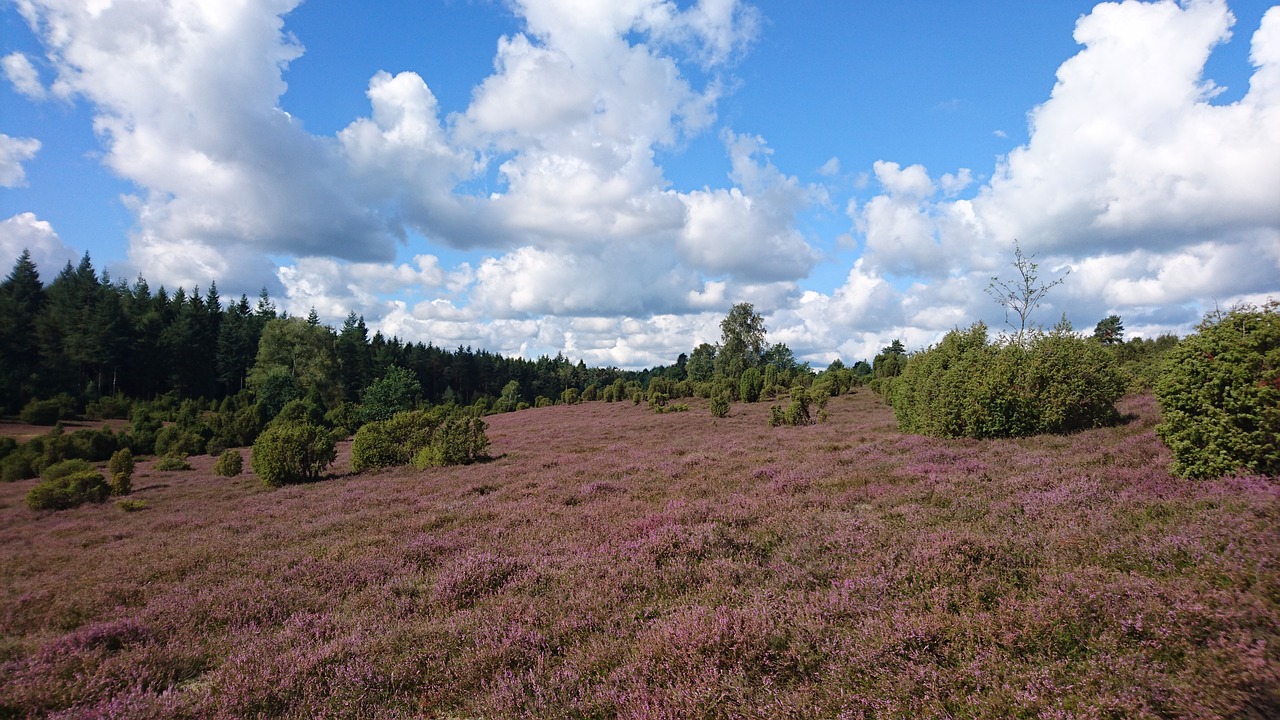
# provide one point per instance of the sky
(605, 179)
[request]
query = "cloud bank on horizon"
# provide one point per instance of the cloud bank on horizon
(549, 184)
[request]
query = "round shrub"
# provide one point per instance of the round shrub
(172, 463)
(1219, 395)
(292, 453)
(121, 468)
(62, 491)
(966, 386)
(230, 464)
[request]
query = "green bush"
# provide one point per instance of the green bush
(458, 440)
(61, 490)
(172, 463)
(121, 468)
(131, 505)
(230, 464)
(64, 468)
(966, 386)
(720, 404)
(292, 453)
(1220, 395)
(47, 412)
(797, 414)
(19, 464)
(426, 438)
(109, 407)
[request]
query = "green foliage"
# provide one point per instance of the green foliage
(172, 463)
(47, 412)
(63, 468)
(570, 396)
(229, 464)
(61, 491)
(720, 405)
(1220, 395)
(427, 438)
(300, 411)
(1109, 330)
(131, 505)
(750, 385)
(292, 453)
(176, 440)
(121, 469)
(146, 426)
(458, 440)
(344, 419)
(104, 408)
(396, 391)
(966, 386)
(797, 413)
(742, 343)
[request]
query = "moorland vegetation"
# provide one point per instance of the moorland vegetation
(1042, 524)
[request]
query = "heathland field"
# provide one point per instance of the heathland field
(613, 562)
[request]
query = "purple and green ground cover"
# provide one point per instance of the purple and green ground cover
(613, 562)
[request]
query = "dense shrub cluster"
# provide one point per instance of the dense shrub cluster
(796, 414)
(67, 484)
(25, 461)
(966, 386)
(1220, 395)
(440, 436)
(292, 453)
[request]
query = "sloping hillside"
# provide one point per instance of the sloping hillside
(612, 562)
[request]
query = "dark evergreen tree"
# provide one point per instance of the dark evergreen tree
(22, 298)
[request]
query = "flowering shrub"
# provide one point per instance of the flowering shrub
(966, 386)
(287, 453)
(1220, 395)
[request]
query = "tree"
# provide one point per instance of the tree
(21, 300)
(701, 366)
(1022, 294)
(306, 352)
(741, 341)
(394, 392)
(1109, 330)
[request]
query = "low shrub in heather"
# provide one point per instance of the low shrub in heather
(797, 413)
(292, 453)
(230, 463)
(967, 386)
(172, 463)
(1220, 395)
(121, 469)
(720, 405)
(68, 487)
(392, 442)
(457, 440)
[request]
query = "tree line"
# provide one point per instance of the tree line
(84, 336)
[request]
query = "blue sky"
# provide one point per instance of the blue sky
(607, 178)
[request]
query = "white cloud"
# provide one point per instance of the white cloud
(1160, 200)
(14, 152)
(25, 231)
(22, 74)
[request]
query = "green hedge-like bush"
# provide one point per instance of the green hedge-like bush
(1219, 395)
(422, 437)
(966, 386)
(292, 453)
(61, 491)
(458, 440)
